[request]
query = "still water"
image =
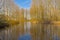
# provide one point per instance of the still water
(28, 36)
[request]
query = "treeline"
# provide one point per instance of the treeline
(45, 13)
(10, 20)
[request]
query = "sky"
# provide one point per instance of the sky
(23, 3)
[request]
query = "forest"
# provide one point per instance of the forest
(41, 21)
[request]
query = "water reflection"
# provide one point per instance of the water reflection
(37, 32)
(25, 37)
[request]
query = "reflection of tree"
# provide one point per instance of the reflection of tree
(44, 13)
(21, 21)
(6, 25)
(37, 15)
(9, 13)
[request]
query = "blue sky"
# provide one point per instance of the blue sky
(23, 3)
